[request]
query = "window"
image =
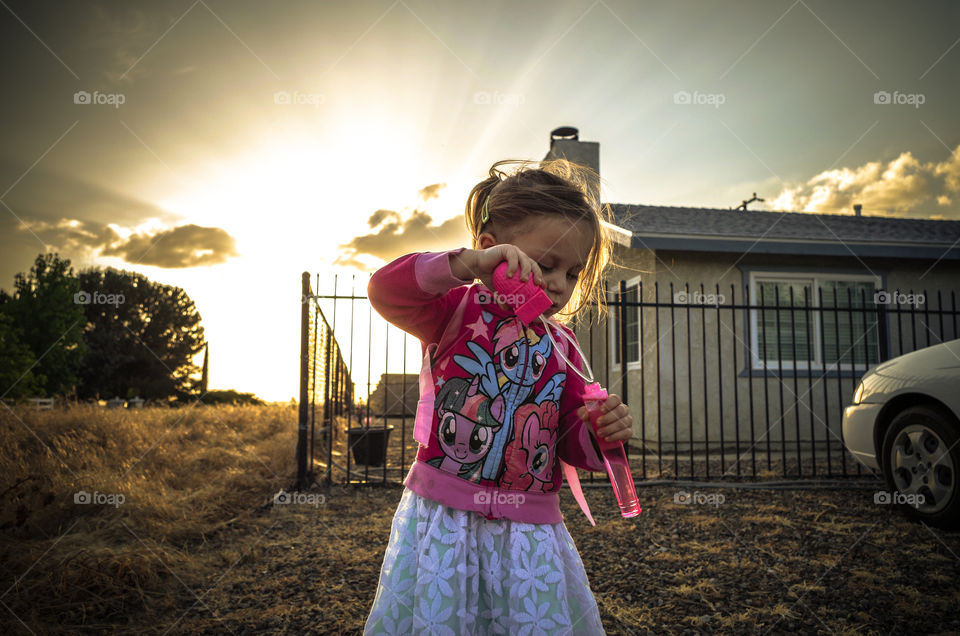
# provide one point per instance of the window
(850, 337)
(795, 334)
(792, 329)
(632, 323)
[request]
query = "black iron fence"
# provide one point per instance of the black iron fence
(725, 384)
(738, 385)
(325, 384)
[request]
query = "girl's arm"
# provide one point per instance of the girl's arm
(575, 443)
(411, 293)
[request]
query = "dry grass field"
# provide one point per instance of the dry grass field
(196, 546)
(185, 476)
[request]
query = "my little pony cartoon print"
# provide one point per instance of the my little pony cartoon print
(466, 427)
(520, 356)
(528, 465)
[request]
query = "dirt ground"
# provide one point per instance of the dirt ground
(199, 546)
(767, 561)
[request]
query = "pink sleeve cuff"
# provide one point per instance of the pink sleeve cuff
(433, 272)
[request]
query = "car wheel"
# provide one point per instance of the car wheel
(921, 457)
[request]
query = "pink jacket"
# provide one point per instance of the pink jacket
(497, 410)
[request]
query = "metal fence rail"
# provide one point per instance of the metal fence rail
(738, 388)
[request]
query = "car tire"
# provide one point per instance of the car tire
(921, 456)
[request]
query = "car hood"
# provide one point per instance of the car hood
(933, 371)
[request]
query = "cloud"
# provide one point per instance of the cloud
(69, 235)
(46, 211)
(178, 247)
(902, 187)
(379, 216)
(431, 191)
(395, 236)
(183, 246)
(950, 171)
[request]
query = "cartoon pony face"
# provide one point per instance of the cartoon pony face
(513, 347)
(529, 462)
(466, 425)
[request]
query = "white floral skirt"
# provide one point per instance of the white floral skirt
(449, 571)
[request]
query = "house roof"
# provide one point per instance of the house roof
(717, 230)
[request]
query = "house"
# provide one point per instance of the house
(750, 329)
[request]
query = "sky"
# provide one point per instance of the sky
(226, 147)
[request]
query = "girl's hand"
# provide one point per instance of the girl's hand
(616, 423)
(481, 263)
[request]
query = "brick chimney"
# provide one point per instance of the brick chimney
(857, 208)
(565, 144)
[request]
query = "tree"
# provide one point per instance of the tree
(142, 337)
(49, 320)
(230, 397)
(17, 362)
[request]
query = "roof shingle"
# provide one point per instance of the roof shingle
(646, 220)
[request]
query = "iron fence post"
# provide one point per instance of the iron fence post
(304, 371)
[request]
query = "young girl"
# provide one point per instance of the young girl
(478, 544)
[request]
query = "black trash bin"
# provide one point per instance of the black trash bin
(369, 444)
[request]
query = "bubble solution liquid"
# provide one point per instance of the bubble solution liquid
(614, 457)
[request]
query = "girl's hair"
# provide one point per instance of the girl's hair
(547, 188)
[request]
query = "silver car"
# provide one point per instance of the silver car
(905, 422)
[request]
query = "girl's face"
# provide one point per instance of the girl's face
(559, 245)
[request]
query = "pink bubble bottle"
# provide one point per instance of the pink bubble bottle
(614, 456)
